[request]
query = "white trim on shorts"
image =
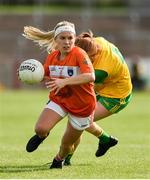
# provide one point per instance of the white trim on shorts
(55, 107)
(79, 123)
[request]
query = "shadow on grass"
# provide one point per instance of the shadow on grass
(30, 168)
(23, 168)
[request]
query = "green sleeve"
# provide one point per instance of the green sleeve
(100, 76)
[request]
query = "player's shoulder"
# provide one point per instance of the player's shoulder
(81, 55)
(53, 54)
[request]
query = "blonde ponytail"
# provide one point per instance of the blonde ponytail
(43, 38)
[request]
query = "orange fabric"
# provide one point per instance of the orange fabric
(79, 100)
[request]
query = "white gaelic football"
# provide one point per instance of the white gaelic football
(31, 71)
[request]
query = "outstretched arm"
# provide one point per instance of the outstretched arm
(56, 84)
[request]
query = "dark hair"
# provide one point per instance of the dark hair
(85, 41)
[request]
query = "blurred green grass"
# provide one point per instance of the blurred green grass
(19, 111)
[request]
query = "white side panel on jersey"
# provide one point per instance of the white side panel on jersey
(64, 71)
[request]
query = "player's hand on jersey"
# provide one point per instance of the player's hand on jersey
(55, 84)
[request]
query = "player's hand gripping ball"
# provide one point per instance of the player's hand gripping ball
(31, 71)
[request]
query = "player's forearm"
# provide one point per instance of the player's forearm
(80, 79)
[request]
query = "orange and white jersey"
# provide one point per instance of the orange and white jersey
(79, 100)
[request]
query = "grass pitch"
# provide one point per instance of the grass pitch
(19, 111)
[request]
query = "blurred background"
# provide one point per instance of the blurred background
(126, 23)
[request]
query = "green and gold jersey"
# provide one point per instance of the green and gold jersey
(118, 82)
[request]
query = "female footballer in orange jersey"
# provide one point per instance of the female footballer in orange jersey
(112, 85)
(71, 78)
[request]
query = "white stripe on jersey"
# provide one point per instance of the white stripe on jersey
(64, 71)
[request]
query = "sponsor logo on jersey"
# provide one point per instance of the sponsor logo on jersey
(63, 71)
(53, 68)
